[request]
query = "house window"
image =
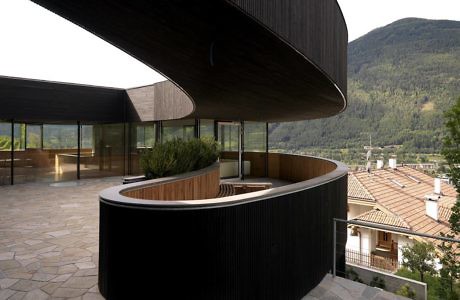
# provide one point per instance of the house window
(386, 236)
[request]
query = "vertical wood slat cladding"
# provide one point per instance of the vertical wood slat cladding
(202, 186)
(276, 248)
(316, 28)
(229, 64)
(45, 101)
(160, 101)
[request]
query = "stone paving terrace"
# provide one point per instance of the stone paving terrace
(49, 244)
(338, 288)
(49, 240)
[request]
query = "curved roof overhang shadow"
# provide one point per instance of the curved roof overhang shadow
(228, 63)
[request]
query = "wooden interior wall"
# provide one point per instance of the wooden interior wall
(39, 157)
(297, 168)
(201, 186)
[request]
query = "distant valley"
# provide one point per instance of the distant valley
(401, 78)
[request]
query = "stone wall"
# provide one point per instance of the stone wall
(392, 282)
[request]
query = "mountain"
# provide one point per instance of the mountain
(401, 78)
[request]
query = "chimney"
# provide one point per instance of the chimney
(437, 186)
(379, 164)
(392, 163)
(431, 204)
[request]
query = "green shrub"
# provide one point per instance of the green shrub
(406, 291)
(178, 156)
(378, 282)
(351, 274)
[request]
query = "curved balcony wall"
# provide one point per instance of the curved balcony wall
(272, 244)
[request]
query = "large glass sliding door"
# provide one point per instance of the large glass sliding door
(230, 142)
(53, 152)
(255, 149)
(102, 150)
(45, 152)
(142, 137)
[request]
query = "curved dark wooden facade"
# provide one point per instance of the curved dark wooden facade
(274, 244)
(272, 66)
(245, 60)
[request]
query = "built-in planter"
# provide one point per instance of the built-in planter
(201, 184)
(271, 244)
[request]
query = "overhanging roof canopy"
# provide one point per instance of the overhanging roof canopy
(230, 57)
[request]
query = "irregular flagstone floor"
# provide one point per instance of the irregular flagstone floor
(338, 288)
(49, 240)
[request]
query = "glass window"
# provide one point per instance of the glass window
(255, 157)
(229, 137)
(5, 153)
(145, 135)
(33, 136)
(104, 155)
(60, 136)
(5, 136)
(183, 129)
(87, 141)
(56, 161)
(207, 128)
(19, 136)
(255, 135)
(142, 136)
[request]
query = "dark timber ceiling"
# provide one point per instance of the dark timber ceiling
(230, 65)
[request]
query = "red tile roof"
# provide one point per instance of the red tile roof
(402, 191)
(380, 217)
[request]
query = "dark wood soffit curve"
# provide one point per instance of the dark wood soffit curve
(230, 65)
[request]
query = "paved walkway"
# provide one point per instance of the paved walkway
(49, 245)
(49, 240)
(343, 289)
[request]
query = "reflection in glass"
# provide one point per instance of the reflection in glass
(5, 153)
(56, 161)
(206, 128)
(183, 129)
(255, 146)
(33, 136)
(60, 136)
(143, 136)
(104, 155)
(19, 136)
(228, 137)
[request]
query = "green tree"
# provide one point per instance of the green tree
(406, 291)
(450, 271)
(419, 257)
(449, 257)
(451, 147)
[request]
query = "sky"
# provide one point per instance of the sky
(363, 16)
(38, 44)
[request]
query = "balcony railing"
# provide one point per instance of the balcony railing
(371, 260)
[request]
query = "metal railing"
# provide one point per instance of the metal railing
(384, 269)
(372, 260)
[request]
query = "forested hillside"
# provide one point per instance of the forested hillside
(401, 78)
